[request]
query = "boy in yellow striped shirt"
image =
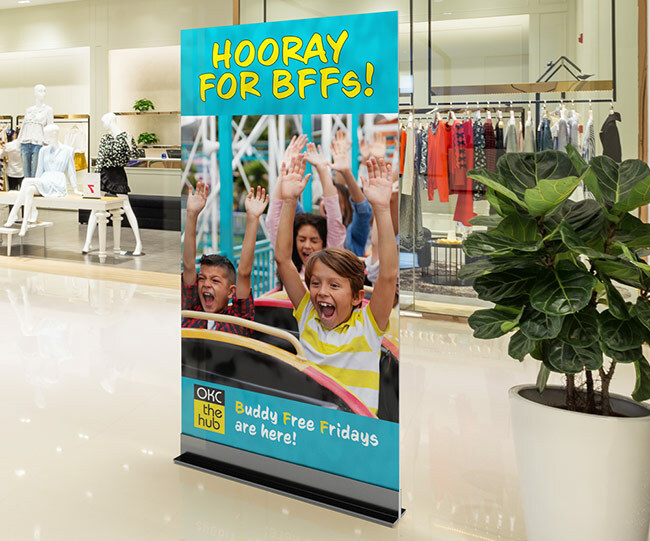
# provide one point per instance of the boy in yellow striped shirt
(337, 334)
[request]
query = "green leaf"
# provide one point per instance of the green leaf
(548, 194)
(497, 286)
(489, 323)
(618, 334)
(492, 180)
(576, 244)
(641, 311)
(488, 221)
(542, 378)
(520, 346)
(581, 328)
(475, 269)
(494, 243)
(632, 232)
(537, 325)
(522, 231)
(642, 387)
(501, 205)
(615, 301)
(633, 259)
(624, 186)
(515, 232)
(623, 272)
(521, 171)
(563, 290)
(576, 159)
(569, 359)
(585, 217)
(627, 356)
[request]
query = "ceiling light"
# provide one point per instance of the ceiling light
(24, 1)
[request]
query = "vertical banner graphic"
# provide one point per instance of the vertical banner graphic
(290, 354)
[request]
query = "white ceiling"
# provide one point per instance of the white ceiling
(11, 4)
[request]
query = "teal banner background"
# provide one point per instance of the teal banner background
(372, 38)
(378, 465)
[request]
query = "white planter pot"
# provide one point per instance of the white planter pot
(583, 477)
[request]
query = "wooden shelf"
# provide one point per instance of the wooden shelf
(523, 88)
(147, 113)
(160, 146)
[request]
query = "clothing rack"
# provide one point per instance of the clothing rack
(69, 119)
(7, 119)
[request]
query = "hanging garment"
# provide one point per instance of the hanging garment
(500, 142)
(424, 146)
(511, 138)
(545, 141)
(437, 162)
(14, 162)
(490, 145)
(402, 147)
(480, 160)
(589, 142)
(610, 138)
(411, 234)
(53, 164)
(76, 139)
(520, 136)
(408, 168)
(459, 182)
(574, 132)
(562, 135)
(529, 137)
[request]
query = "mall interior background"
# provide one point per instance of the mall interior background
(92, 394)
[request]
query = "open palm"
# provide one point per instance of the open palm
(315, 156)
(378, 187)
(256, 202)
(292, 178)
(197, 199)
(340, 148)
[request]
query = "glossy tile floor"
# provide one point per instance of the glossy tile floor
(89, 379)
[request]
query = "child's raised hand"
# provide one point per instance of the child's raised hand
(292, 177)
(315, 156)
(197, 199)
(378, 187)
(340, 147)
(295, 147)
(378, 146)
(256, 202)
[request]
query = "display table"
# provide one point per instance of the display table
(104, 207)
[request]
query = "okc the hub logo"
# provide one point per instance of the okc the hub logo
(209, 408)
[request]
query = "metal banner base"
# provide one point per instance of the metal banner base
(349, 496)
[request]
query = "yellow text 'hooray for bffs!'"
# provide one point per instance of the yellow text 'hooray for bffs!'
(209, 408)
(280, 54)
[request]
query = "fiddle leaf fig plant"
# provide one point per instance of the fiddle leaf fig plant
(550, 265)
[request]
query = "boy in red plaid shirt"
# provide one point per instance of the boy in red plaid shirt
(217, 282)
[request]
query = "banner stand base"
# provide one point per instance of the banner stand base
(287, 487)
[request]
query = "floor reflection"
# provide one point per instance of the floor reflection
(90, 380)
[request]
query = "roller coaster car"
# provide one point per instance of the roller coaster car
(272, 362)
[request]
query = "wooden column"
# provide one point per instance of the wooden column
(235, 11)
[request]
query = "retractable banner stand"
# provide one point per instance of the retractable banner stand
(272, 394)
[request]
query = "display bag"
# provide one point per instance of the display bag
(255, 407)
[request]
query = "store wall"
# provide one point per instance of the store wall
(100, 25)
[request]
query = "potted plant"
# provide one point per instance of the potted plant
(143, 105)
(550, 265)
(147, 138)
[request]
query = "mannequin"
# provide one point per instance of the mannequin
(31, 137)
(115, 150)
(54, 162)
